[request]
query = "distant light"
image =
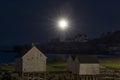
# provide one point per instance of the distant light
(63, 24)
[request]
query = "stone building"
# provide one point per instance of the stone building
(31, 65)
(83, 65)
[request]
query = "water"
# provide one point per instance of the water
(6, 57)
(10, 57)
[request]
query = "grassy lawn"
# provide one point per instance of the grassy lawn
(7, 68)
(62, 66)
(51, 67)
(111, 62)
(56, 66)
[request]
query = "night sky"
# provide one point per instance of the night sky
(26, 21)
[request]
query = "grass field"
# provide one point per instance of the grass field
(62, 66)
(7, 67)
(51, 67)
(56, 66)
(111, 62)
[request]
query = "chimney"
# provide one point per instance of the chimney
(33, 44)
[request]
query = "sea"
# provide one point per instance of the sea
(10, 57)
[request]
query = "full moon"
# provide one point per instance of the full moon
(63, 24)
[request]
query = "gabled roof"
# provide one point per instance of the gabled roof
(87, 59)
(73, 57)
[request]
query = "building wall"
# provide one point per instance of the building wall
(69, 63)
(89, 69)
(34, 61)
(76, 66)
(83, 68)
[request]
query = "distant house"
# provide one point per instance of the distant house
(70, 62)
(31, 64)
(83, 65)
